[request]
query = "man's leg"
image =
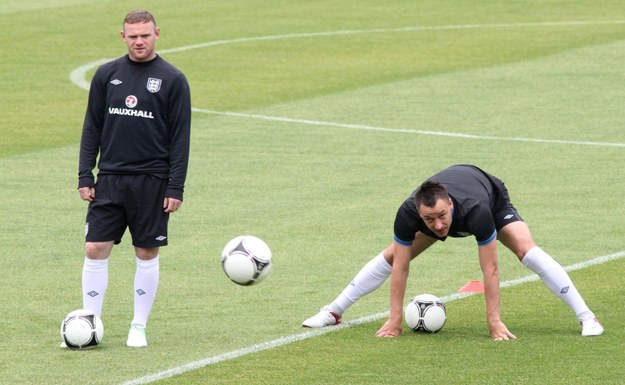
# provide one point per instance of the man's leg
(145, 287)
(368, 279)
(95, 275)
(517, 237)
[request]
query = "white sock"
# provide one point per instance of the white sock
(95, 277)
(146, 283)
(369, 278)
(557, 280)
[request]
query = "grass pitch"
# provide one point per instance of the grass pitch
(312, 122)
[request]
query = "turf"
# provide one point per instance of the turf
(548, 348)
(312, 121)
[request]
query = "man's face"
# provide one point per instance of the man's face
(438, 218)
(141, 40)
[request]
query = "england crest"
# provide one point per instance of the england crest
(154, 85)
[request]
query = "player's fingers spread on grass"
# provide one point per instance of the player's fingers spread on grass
(499, 332)
(505, 336)
(389, 331)
(385, 334)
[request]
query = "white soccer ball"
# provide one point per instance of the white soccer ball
(426, 313)
(82, 329)
(246, 260)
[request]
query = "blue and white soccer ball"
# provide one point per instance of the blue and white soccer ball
(246, 260)
(82, 329)
(425, 313)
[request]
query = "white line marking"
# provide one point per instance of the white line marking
(77, 76)
(422, 28)
(317, 332)
(405, 130)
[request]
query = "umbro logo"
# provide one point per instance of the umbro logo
(508, 216)
(564, 290)
(93, 293)
(160, 238)
(140, 292)
(116, 82)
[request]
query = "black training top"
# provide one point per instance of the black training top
(138, 120)
(476, 196)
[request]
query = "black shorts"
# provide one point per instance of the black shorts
(128, 201)
(504, 212)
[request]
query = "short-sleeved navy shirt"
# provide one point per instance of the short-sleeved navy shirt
(481, 207)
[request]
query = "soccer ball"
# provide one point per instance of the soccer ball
(82, 329)
(246, 260)
(426, 313)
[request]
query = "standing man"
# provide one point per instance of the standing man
(138, 121)
(459, 201)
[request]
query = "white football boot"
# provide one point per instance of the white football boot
(325, 317)
(591, 327)
(137, 337)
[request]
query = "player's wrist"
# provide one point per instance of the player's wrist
(395, 317)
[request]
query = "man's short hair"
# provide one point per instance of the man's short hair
(139, 16)
(429, 193)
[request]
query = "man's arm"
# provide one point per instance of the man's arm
(180, 127)
(490, 269)
(399, 276)
(91, 135)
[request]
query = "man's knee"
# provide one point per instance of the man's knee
(98, 250)
(146, 254)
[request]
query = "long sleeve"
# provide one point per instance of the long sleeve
(91, 133)
(180, 134)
